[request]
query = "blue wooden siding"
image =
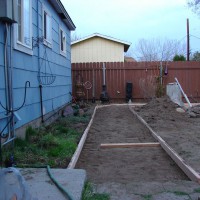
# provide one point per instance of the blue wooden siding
(26, 69)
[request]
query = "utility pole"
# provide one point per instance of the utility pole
(188, 41)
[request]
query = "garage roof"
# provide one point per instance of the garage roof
(126, 44)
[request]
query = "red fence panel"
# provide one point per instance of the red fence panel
(143, 75)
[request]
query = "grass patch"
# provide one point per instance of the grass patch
(179, 193)
(88, 194)
(147, 197)
(197, 190)
(53, 145)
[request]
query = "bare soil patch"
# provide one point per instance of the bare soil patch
(179, 130)
(116, 124)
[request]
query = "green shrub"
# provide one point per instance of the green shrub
(179, 58)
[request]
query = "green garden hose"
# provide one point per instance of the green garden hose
(64, 191)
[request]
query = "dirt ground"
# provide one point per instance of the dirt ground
(116, 124)
(179, 130)
(147, 173)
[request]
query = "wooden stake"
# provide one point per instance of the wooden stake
(130, 145)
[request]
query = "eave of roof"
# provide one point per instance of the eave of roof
(60, 9)
(126, 44)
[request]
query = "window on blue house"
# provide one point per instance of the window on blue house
(23, 28)
(47, 27)
(62, 42)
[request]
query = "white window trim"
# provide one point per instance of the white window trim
(19, 45)
(46, 42)
(63, 53)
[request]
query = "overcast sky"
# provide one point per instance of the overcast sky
(131, 20)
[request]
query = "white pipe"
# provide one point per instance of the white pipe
(190, 105)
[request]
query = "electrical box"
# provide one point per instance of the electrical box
(8, 11)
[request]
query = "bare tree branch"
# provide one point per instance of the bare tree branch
(75, 36)
(158, 50)
(194, 5)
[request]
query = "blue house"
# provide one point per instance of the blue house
(35, 63)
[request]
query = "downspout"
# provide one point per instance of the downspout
(41, 103)
(5, 66)
(12, 124)
(7, 80)
(40, 86)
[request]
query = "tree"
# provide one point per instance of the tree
(75, 37)
(179, 58)
(194, 5)
(158, 50)
(196, 56)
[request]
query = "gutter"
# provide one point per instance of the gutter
(63, 14)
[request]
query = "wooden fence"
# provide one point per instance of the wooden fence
(143, 75)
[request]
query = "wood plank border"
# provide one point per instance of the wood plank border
(77, 153)
(188, 170)
(122, 104)
(129, 145)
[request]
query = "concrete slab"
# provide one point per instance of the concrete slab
(145, 188)
(40, 184)
(184, 186)
(176, 190)
(35, 183)
(170, 196)
(13, 186)
(195, 196)
(116, 190)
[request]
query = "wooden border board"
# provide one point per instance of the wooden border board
(129, 145)
(77, 153)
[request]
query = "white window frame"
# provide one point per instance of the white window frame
(47, 42)
(21, 45)
(64, 51)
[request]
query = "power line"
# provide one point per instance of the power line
(195, 36)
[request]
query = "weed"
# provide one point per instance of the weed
(147, 197)
(47, 141)
(21, 143)
(30, 132)
(179, 193)
(53, 145)
(61, 129)
(197, 190)
(88, 194)
(78, 119)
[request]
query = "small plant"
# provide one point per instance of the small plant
(88, 194)
(147, 197)
(148, 86)
(47, 141)
(179, 193)
(30, 132)
(160, 90)
(197, 190)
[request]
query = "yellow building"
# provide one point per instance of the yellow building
(98, 48)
